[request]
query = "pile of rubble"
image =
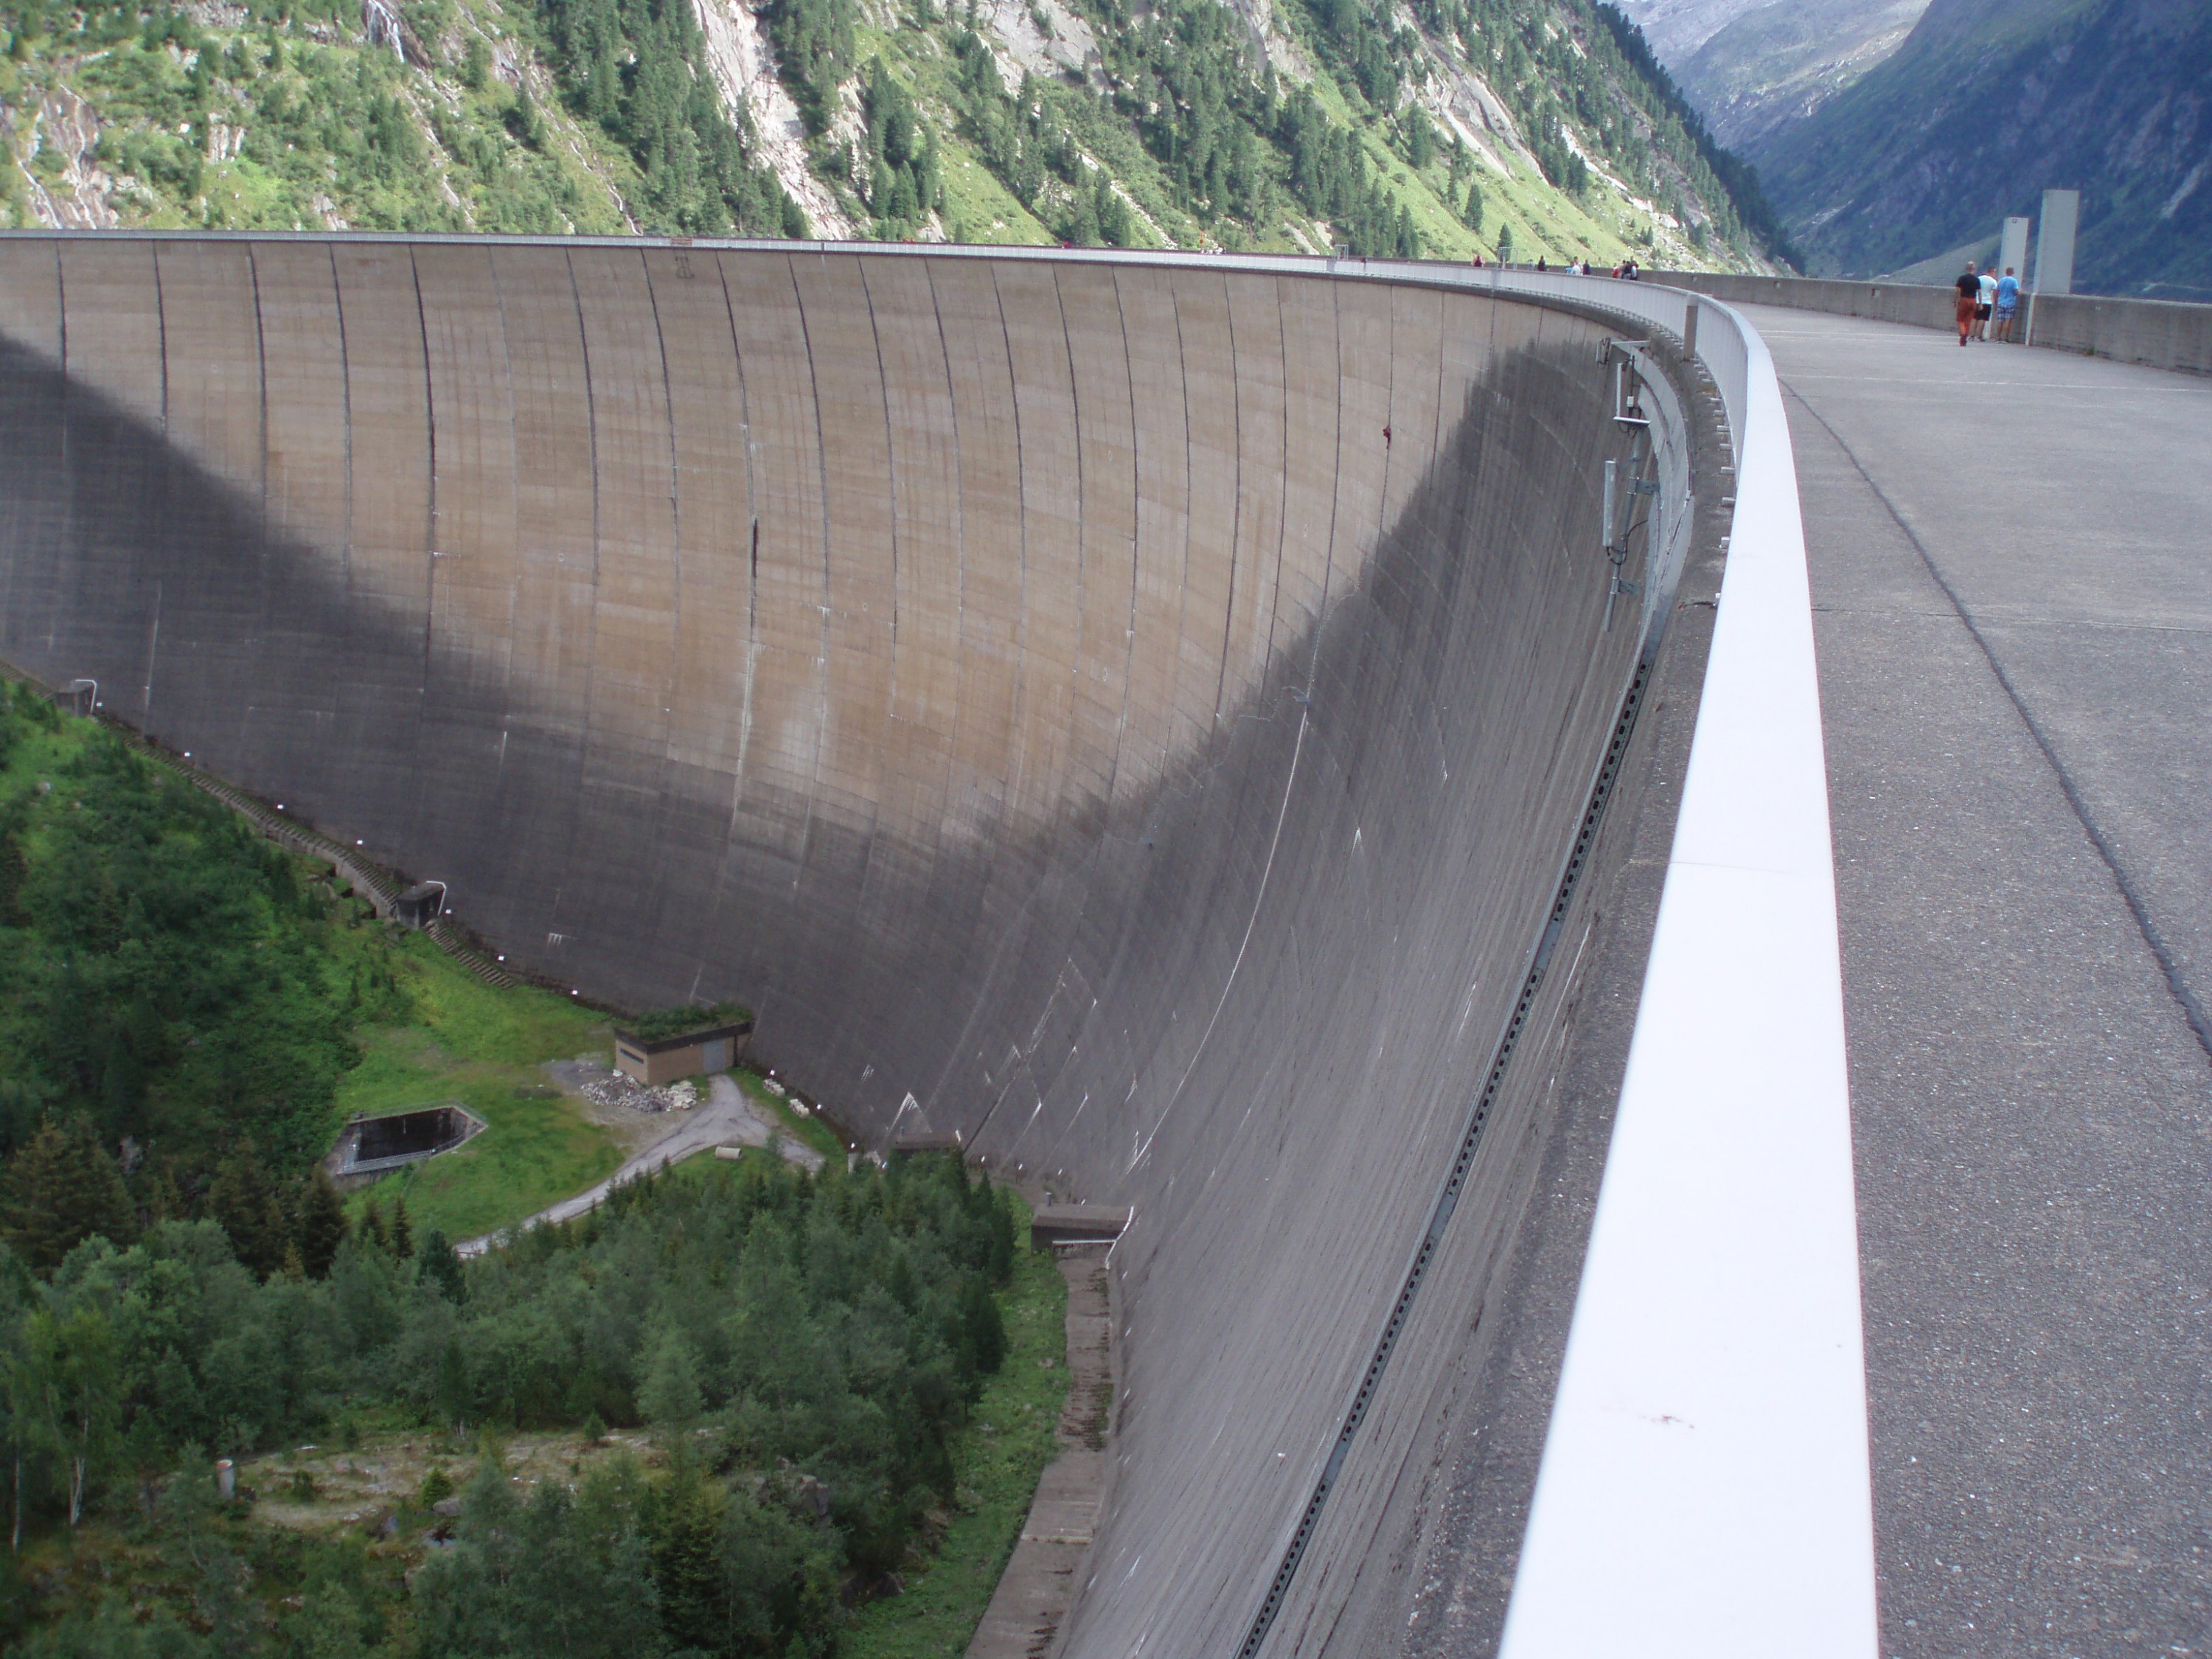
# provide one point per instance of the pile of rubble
(610, 1088)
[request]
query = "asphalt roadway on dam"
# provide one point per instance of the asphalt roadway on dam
(1133, 714)
(2011, 580)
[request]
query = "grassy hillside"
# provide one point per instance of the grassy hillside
(1445, 128)
(187, 1015)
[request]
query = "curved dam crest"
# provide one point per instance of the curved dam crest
(1138, 712)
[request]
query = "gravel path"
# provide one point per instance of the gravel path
(727, 1119)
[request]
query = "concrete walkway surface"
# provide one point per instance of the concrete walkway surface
(2012, 578)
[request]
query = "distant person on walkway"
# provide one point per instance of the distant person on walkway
(2007, 304)
(1985, 303)
(1540, 266)
(1970, 296)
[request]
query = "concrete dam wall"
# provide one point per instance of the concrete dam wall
(1132, 713)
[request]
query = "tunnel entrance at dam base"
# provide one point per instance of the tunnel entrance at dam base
(1193, 796)
(371, 1147)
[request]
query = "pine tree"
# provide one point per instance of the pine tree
(437, 1263)
(242, 1200)
(163, 1200)
(318, 1223)
(981, 1328)
(453, 1386)
(687, 1536)
(15, 870)
(670, 1396)
(372, 1228)
(60, 1190)
(402, 1231)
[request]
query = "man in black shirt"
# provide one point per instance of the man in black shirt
(1970, 296)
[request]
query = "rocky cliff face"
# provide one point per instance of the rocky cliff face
(1991, 102)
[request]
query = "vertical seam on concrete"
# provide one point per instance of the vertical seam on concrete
(822, 661)
(960, 566)
(672, 674)
(1282, 480)
(1082, 527)
(1189, 492)
(162, 333)
(891, 472)
(430, 576)
(591, 636)
(675, 521)
(1390, 411)
(1236, 526)
(261, 372)
(752, 600)
(2191, 1011)
(430, 439)
(515, 452)
(960, 541)
(959, 509)
(345, 397)
(1015, 748)
(1335, 487)
(1136, 509)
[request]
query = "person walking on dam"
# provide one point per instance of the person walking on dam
(1986, 304)
(1970, 296)
(2008, 304)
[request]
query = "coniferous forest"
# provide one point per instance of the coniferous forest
(798, 1354)
(744, 1386)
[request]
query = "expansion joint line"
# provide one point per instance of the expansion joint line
(1539, 962)
(2184, 999)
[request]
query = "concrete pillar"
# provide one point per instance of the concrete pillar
(2012, 247)
(2054, 241)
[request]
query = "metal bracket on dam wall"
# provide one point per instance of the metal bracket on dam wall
(1139, 707)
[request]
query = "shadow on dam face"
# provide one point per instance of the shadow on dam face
(1132, 715)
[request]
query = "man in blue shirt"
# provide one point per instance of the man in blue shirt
(2007, 304)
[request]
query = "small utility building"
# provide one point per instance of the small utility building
(682, 1043)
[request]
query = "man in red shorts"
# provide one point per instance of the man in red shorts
(1970, 299)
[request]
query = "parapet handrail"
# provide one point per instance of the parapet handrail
(1704, 1485)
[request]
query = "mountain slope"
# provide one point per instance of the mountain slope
(1677, 28)
(172, 118)
(1445, 126)
(1777, 62)
(1989, 103)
